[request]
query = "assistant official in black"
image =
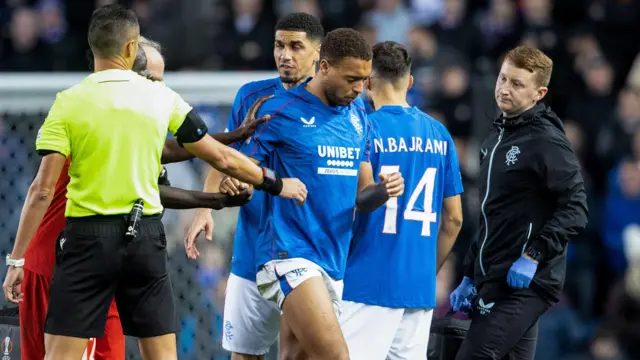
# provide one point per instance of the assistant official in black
(533, 203)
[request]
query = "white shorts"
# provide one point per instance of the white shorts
(278, 278)
(251, 323)
(379, 333)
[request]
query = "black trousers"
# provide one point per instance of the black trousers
(504, 324)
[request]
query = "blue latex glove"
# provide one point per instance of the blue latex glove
(521, 273)
(461, 297)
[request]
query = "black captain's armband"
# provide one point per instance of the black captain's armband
(271, 184)
(47, 152)
(192, 129)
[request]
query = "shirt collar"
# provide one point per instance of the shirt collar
(302, 92)
(112, 75)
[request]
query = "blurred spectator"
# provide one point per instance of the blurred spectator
(614, 136)
(423, 48)
(622, 208)
(246, 42)
(500, 28)
(454, 31)
(24, 50)
(592, 106)
(333, 13)
(391, 20)
(619, 337)
(454, 100)
(470, 208)
(539, 29)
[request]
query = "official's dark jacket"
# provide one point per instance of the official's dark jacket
(532, 196)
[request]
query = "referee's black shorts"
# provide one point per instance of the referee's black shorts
(95, 263)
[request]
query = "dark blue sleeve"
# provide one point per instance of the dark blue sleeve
(368, 135)
(452, 175)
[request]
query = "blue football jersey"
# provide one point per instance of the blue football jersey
(323, 147)
(392, 261)
(243, 262)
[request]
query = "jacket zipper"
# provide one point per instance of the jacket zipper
(484, 202)
(524, 247)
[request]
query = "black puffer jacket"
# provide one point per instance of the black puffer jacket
(532, 197)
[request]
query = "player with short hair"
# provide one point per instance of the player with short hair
(114, 124)
(317, 133)
(534, 203)
(41, 256)
(251, 323)
(387, 311)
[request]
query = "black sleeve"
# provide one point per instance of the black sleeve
(470, 259)
(560, 169)
(47, 152)
(164, 177)
(192, 129)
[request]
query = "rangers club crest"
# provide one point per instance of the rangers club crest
(512, 155)
(356, 124)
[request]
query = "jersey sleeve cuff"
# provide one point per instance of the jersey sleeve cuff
(47, 148)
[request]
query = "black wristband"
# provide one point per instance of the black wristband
(535, 254)
(272, 183)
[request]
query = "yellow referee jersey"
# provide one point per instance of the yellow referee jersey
(113, 125)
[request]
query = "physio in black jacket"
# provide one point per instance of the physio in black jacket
(533, 203)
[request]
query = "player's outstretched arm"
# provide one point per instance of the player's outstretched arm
(372, 195)
(173, 152)
(450, 225)
(175, 198)
(38, 200)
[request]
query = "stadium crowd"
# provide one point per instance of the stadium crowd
(456, 46)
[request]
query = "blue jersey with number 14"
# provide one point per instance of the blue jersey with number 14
(242, 263)
(392, 262)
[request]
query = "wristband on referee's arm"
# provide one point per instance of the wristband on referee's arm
(271, 184)
(14, 262)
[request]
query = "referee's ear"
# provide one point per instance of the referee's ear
(131, 52)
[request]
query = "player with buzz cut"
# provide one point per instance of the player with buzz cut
(388, 309)
(317, 132)
(251, 323)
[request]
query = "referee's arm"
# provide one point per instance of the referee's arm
(53, 145)
(192, 133)
(173, 152)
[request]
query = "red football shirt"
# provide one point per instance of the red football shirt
(41, 253)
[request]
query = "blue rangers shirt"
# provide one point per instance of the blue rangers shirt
(323, 147)
(243, 263)
(392, 262)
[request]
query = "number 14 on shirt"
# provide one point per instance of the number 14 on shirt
(426, 183)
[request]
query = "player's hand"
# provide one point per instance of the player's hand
(11, 286)
(293, 188)
(250, 123)
(231, 186)
(394, 183)
(202, 222)
(239, 200)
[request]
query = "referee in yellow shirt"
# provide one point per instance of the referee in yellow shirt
(114, 125)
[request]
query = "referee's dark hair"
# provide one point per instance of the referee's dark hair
(110, 28)
(302, 22)
(391, 61)
(344, 43)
